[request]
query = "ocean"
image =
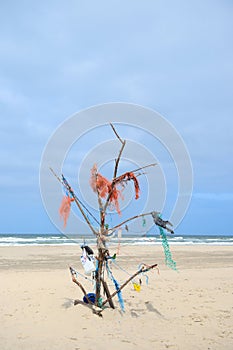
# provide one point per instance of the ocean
(59, 239)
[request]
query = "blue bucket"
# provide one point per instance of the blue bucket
(90, 296)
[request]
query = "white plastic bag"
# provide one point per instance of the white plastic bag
(88, 262)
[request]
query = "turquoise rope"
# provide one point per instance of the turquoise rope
(168, 256)
(117, 287)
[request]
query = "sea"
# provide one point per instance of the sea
(16, 239)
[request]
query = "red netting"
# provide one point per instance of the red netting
(104, 186)
(64, 209)
(127, 177)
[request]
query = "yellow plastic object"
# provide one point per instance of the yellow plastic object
(137, 287)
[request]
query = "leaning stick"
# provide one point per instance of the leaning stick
(74, 279)
(117, 135)
(132, 218)
(95, 310)
(133, 171)
(76, 201)
(118, 159)
(142, 269)
(107, 292)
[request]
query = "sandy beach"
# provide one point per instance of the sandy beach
(188, 309)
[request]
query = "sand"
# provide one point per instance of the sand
(189, 309)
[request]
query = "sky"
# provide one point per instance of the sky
(60, 57)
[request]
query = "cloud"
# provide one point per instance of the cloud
(173, 57)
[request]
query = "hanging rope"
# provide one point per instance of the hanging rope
(136, 286)
(79, 274)
(117, 287)
(143, 274)
(143, 222)
(168, 256)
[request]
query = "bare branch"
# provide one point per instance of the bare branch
(130, 219)
(115, 179)
(96, 310)
(113, 128)
(123, 143)
(76, 201)
(74, 279)
(118, 159)
(143, 167)
(84, 215)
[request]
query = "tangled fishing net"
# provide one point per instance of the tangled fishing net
(168, 256)
(65, 207)
(106, 188)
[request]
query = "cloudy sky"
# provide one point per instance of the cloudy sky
(59, 57)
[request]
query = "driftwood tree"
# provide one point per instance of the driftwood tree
(107, 194)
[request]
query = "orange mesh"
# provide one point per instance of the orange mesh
(64, 209)
(127, 177)
(103, 186)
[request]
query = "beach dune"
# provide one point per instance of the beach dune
(188, 309)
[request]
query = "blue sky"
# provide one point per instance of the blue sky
(57, 58)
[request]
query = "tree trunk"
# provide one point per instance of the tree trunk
(99, 276)
(108, 294)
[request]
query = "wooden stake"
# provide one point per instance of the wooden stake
(108, 294)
